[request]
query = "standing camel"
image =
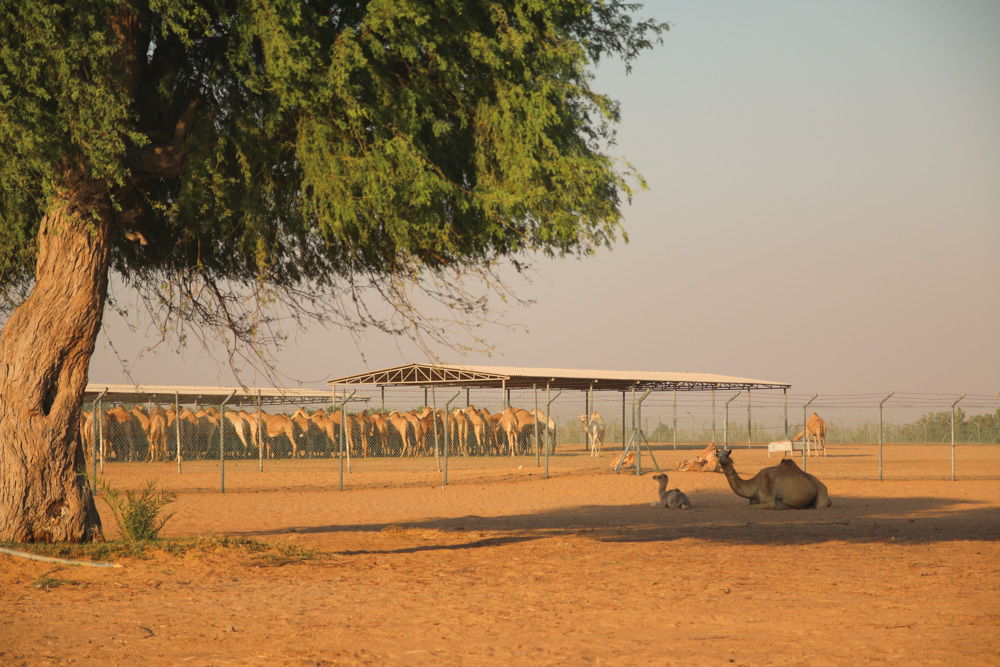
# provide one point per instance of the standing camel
(158, 434)
(781, 487)
(548, 424)
(816, 429)
(458, 427)
(515, 422)
(595, 431)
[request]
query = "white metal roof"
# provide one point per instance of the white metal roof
(168, 393)
(557, 378)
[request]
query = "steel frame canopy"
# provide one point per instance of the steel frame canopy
(133, 393)
(456, 375)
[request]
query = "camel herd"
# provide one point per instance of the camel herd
(138, 435)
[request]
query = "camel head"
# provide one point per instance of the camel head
(662, 476)
(723, 455)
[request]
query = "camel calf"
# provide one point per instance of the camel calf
(672, 499)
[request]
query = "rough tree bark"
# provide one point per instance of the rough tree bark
(45, 351)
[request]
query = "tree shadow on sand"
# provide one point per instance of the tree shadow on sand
(717, 516)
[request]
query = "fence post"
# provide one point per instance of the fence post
(623, 420)
(548, 411)
(725, 427)
(434, 421)
(260, 430)
(881, 403)
(675, 417)
(100, 431)
(749, 422)
(713, 413)
(343, 429)
(222, 442)
(93, 436)
(805, 436)
(953, 436)
(177, 420)
(538, 454)
(785, 392)
(447, 433)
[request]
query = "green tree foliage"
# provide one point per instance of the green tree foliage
(299, 152)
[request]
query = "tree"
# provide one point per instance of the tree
(224, 158)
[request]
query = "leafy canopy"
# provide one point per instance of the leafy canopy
(296, 148)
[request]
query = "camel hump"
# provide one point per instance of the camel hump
(789, 463)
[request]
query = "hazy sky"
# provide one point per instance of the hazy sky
(823, 209)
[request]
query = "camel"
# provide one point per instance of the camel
(672, 499)
(157, 434)
(189, 426)
(595, 431)
(458, 427)
(122, 434)
(311, 434)
(404, 428)
(241, 427)
(514, 422)
(419, 438)
(323, 422)
(272, 427)
(379, 428)
(87, 433)
(428, 418)
(629, 460)
(480, 425)
(816, 429)
(784, 486)
(547, 425)
(706, 461)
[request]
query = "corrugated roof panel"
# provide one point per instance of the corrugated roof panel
(558, 378)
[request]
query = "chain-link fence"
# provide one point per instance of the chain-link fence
(393, 436)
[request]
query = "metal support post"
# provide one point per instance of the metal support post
(343, 424)
(434, 420)
(726, 425)
(637, 437)
(538, 454)
(177, 420)
(98, 418)
(447, 434)
(805, 436)
(675, 417)
(260, 431)
(953, 436)
(222, 442)
(881, 403)
(548, 411)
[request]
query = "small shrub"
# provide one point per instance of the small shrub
(138, 513)
(45, 581)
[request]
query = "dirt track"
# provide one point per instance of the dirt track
(578, 569)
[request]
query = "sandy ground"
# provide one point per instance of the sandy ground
(516, 569)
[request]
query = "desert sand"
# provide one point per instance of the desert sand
(511, 568)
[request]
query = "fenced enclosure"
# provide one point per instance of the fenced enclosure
(388, 436)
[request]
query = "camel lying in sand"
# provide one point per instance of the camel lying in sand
(672, 499)
(780, 487)
(706, 461)
(629, 460)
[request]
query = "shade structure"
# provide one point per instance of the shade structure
(460, 375)
(126, 393)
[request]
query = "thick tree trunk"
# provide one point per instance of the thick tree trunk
(45, 351)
